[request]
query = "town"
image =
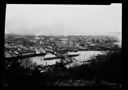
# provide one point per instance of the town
(16, 45)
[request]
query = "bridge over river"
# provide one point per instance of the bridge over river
(27, 55)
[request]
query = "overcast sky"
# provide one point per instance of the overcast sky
(63, 19)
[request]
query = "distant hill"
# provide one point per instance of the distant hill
(11, 35)
(116, 35)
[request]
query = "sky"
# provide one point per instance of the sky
(46, 19)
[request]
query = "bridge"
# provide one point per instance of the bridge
(70, 55)
(27, 55)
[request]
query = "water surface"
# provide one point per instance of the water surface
(83, 56)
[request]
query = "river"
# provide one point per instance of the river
(83, 56)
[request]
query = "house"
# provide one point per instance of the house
(37, 51)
